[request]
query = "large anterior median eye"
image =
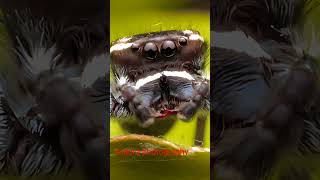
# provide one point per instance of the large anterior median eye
(168, 48)
(150, 50)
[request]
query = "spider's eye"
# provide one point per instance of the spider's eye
(183, 41)
(168, 48)
(135, 47)
(150, 50)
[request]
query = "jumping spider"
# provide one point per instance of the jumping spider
(159, 74)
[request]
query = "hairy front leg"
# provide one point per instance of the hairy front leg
(251, 152)
(140, 101)
(192, 95)
(198, 99)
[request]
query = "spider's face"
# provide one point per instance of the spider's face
(180, 50)
(160, 74)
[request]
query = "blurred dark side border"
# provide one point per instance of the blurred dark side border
(69, 127)
(265, 89)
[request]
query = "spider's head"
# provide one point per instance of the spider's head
(145, 53)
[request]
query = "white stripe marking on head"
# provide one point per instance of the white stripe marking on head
(195, 37)
(124, 40)
(181, 74)
(187, 32)
(146, 80)
(120, 46)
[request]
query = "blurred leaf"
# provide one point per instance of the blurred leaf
(194, 165)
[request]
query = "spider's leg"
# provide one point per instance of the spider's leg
(198, 99)
(140, 101)
(277, 131)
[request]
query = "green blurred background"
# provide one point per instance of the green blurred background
(129, 17)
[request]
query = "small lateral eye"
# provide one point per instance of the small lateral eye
(135, 47)
(150, 50)
(183, 41)
(168, 48)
